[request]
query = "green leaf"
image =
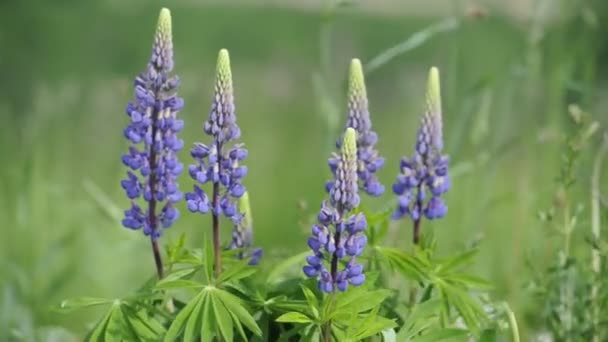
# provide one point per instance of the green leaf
(83, 302)
(124, 322)
(379, 216)
(118, 327)
(375, 327)
(311, 299)
(144, 327)
(179, 274)
(423, 311)
(234, 305)
(410, 266)
(469, 309)
(239, 326)
(421, 317)
(208, 260)
(301, 330)
(359, 300)
(222, 317)
(207, 324)
(313, 334)
(371, 325)
(469, 281)
(176, 250)
(98, 332)
(180, 321)
(294, 317)
(193, 324)
(178, 284)
(457, 261)
(237, 271)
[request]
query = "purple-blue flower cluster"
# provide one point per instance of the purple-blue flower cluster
(152, 157)
(346, 240)
(215, 163)
(368, 159)
(424, 177)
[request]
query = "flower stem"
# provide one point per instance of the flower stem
(512, 322)
(416, 241)
(327, 332)
(152, 203)
(157, 259)
(334, 259)
(416, 238)
(216, 230)
(327, 326)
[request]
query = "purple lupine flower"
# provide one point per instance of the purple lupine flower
(424, 177)
(242, 232)
(217, 163)
(368, 159)
(338, 234)
(153, 133)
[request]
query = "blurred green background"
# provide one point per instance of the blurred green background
(508, 70)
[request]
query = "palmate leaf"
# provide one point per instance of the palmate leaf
(83, 302)
(98, 333)
(367, 326)
(313, 334)
(409, 265)
(294, 317)
(422, 324)
(421, 317)
(183, 317)
(175, 250)
(223, 319)
(179, 279)
(212, 311)
(235, 306)
(448, 270)
(467, 306)
(240, 270)
(452, 264)
(358, 300)
(313, 302)
(193, 324)
(124, 321)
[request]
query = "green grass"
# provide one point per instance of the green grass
(63, 121)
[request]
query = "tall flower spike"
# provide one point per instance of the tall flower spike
(339, 235)
(242, 232)
(152, 131)
(369, 160)
(426, 173)
(218, 163)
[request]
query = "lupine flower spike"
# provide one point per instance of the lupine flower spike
(218, 163)
(338, 237)
(152, 156)
(242, 232)
(424, 177)
(368, 159)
